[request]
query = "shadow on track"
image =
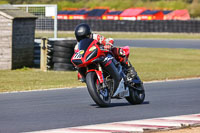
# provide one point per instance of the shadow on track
(120, 104)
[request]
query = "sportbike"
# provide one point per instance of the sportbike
(104, 83)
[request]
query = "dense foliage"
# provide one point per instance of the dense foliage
(192, 5)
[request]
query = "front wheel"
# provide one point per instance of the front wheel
(137, 94)
(101, 96)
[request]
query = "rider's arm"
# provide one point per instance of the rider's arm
(76, 48)
(107, 42)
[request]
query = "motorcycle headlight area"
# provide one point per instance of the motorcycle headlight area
(92, 48)
(92, 54)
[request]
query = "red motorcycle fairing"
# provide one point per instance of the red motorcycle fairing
(88, 51)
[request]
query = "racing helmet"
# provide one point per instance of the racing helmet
(82, 31)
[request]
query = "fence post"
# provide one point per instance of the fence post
(43, 55)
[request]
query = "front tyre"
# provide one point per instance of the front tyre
(137, 94)
(101, 96)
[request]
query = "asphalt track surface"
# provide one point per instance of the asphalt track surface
(192, 44)
(42, 110)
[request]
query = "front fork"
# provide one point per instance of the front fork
(99, 74)
(104, 85)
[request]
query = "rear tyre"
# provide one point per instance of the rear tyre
(100, 96)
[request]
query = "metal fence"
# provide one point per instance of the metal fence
(47, 16)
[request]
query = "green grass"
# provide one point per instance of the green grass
(150, 63)
(127, 35)
(161, 64)
(30, 79)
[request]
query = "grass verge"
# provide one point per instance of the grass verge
(150, 63)
(127, 35)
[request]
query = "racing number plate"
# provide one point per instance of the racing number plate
(79, 54)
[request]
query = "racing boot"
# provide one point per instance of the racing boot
(130, 69)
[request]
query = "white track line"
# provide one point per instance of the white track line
(147, 82)
(138, 126)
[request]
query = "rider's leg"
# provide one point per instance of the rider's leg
(109, 66)
(121, 57)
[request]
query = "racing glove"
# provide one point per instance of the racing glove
(108, 46)
(108, 43)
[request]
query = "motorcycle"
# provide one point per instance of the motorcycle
(103, 86)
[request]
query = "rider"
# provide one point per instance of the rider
(83, 31)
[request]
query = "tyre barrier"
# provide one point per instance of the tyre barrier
(174, 26)
(63, 67)
(50, 52)
(36, 60)
(59, 55)
(177, 26)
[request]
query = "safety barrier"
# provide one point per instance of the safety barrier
(37, 47)
(177, 26)
(192, 26)
(58, 54)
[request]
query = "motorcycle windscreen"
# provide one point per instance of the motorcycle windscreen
(84, 44)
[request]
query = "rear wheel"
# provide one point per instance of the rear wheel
(137, 94)
(101, 96)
